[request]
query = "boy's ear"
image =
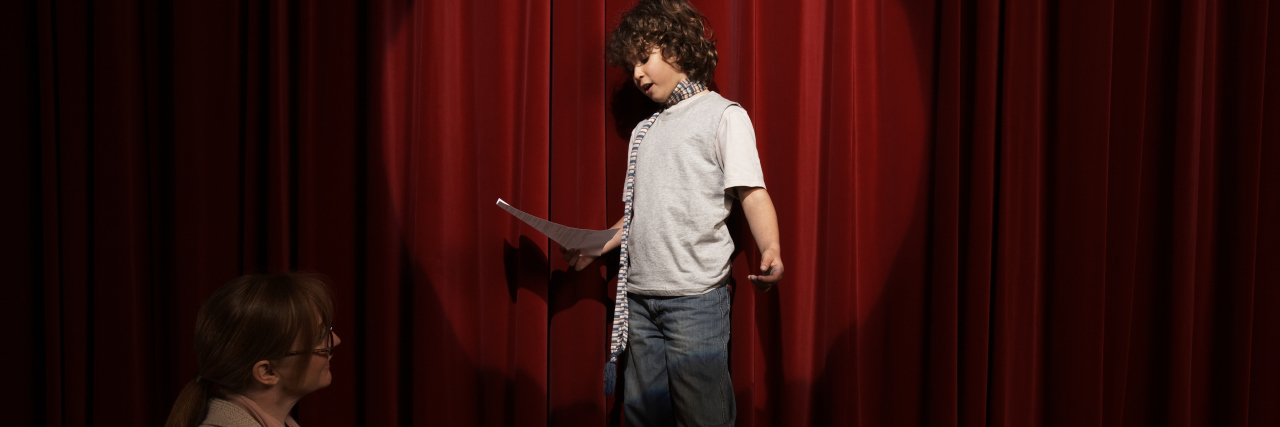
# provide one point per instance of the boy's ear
(673, 59)
(265, 374)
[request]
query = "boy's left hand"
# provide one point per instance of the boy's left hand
(770, 271)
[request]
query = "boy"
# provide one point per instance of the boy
(687, 165)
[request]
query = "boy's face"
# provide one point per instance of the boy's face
(656, 77)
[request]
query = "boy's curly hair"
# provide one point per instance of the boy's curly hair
(674, 26)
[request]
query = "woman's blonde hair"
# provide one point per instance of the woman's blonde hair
(252, 318)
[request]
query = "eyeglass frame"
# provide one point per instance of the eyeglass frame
(323, 351)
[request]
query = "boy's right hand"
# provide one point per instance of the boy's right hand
(576, 259)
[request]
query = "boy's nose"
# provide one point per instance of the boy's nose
(637, 73)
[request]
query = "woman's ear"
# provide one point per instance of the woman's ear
(265, 374)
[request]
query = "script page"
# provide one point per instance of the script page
(589, 242)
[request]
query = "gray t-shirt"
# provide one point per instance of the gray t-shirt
(678, 243)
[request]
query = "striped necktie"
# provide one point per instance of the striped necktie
(621, 312)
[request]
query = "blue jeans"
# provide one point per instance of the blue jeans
(678, 363)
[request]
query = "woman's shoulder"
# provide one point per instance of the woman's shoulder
(226, 414)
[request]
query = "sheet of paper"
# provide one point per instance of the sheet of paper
(590, 242)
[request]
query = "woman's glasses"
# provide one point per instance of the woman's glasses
(325, 351)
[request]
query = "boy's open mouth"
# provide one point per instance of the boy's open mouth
(645, 88)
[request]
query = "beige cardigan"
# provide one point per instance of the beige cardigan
(226, 414)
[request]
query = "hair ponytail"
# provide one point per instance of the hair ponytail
(192, 404)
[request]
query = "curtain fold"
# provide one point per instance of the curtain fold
(992, 212)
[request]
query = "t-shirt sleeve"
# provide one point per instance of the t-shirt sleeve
(736, 140)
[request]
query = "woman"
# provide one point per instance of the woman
(262, 343)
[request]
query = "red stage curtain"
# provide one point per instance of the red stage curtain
(992, 212)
